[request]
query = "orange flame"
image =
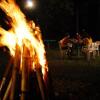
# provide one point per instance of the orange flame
(22, 33)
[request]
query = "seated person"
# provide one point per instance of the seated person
(64, 41)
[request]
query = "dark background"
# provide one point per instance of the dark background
(57, 17)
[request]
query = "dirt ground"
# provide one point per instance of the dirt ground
(75, 78)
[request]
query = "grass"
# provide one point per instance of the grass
(74, 79)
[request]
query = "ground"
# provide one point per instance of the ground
(70, 79)
(74, 79)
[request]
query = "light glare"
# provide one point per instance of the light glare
(30, 4)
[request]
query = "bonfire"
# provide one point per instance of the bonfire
(25, 43)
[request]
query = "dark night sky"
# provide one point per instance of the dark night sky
(57, 17)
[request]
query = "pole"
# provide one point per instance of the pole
(77, 15)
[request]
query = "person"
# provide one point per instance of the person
(87, 41)
(65, 46)
(78, 37)
(90, 41)
(63, 42)
(78, 43)
(87, 48)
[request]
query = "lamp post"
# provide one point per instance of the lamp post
(77, 15)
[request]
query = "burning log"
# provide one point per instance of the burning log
(41, 83)
(6, 77)
(7, 91)
(25, 74)
(15, 73)
(48, 85)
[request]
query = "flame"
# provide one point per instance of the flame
(22, 32)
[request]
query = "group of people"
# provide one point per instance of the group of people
(78, 39)
(78, 43)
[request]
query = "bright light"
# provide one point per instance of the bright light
(30, 4)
